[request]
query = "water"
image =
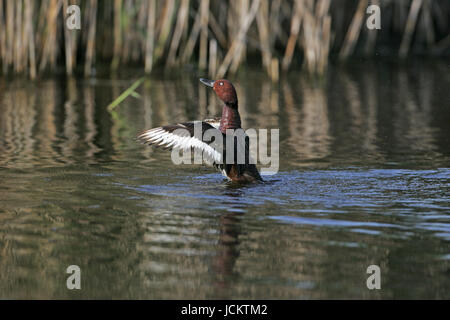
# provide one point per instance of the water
(364, 179)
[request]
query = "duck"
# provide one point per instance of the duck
(183, 136)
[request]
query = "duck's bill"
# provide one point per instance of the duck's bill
(207, 82)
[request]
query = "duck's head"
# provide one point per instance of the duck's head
(224, 90)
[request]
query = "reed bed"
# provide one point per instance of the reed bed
(217, 37)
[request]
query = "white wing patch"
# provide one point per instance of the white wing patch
(181, 139)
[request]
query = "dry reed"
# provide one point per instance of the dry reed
(220, 36)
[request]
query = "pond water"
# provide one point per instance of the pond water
(364, 179)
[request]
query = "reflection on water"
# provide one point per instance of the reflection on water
(364, 179)
(375, 115)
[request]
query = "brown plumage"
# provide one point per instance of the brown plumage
(183, 136)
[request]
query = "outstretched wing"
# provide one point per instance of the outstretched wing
(215, 122)
(185, 136)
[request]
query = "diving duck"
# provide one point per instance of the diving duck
(183, 136)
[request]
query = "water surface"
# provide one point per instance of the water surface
(364, 179)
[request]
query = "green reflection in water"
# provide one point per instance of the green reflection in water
(363, 180)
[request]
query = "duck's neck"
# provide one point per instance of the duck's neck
(230, 118)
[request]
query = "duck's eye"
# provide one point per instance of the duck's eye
(221, 83)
